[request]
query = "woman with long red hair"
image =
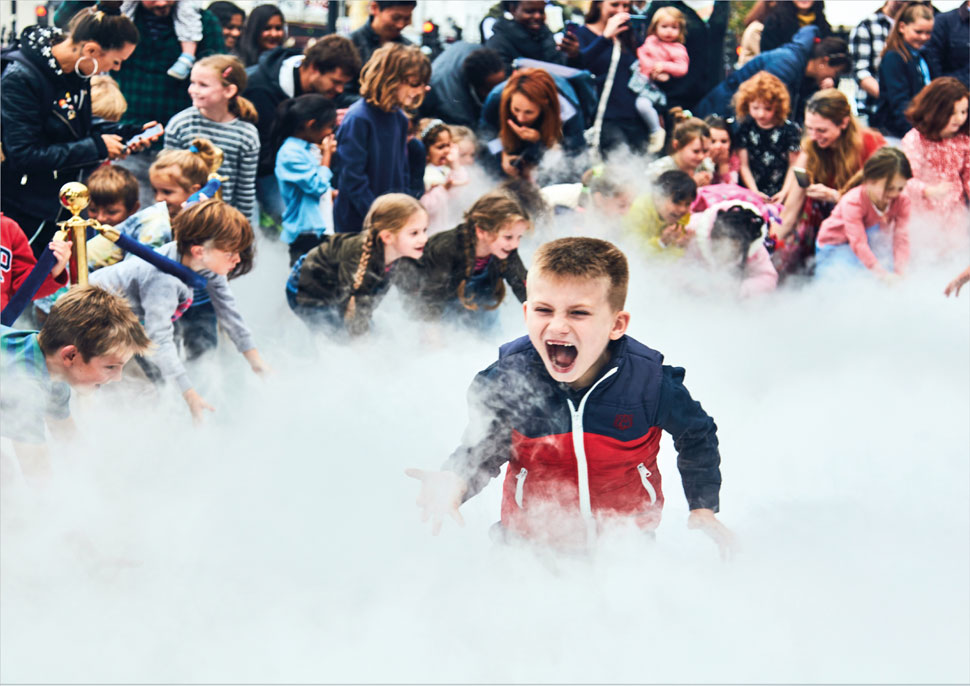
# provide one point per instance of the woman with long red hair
(529, 120)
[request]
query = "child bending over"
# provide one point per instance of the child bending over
(89, 336)
(464, 270)
(869, 226)
(337, 286)
(215, 240)
(576, 409)
(658, 219)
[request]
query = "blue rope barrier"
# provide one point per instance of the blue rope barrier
(161, 262)
(25, 294)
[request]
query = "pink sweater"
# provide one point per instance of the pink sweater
(854, 214)
(672, 57)
(936, 161)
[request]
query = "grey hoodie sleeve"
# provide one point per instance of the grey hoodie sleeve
(225, 306)
(160, 299)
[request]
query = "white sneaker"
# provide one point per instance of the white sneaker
(656, 142)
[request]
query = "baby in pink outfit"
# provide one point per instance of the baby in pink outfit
(661, 57)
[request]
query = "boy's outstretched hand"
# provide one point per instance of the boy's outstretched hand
(706, 521)
(440, 496)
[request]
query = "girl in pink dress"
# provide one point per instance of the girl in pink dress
(938, 148)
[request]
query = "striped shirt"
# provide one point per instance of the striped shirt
(239, 141)
(28, 394)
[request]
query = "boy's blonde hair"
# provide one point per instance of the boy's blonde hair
(586, 258)
(107, 100)
(216, 221)
(110, 183)
(390, 66)
(95, 321)
(670, 14)
(232, 72)
(194, 167)
(389, 212)
(490, 213)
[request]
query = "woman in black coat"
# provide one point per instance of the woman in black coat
(48, 134)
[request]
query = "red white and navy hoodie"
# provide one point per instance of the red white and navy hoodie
(576, 459)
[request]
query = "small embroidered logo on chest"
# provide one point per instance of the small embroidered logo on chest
(623, 421)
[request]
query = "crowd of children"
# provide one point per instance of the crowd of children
(377, 196)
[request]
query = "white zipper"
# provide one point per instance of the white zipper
(645, 480)
(520, 486)
(579, 448)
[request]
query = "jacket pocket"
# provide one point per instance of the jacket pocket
(645, 480)
(520, 486)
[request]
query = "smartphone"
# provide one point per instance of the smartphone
(801, 176)
(147, 133)
(571, 27)
(638, 27)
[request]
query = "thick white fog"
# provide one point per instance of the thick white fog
(281, 542)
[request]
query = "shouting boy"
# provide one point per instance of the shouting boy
(576, 409)
(88, 337)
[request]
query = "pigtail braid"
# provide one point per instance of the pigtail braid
(365, 255)
(468, 235)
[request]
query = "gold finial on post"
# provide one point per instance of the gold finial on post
(75, 197)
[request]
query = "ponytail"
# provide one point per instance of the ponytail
(232, 72)
(108, 28)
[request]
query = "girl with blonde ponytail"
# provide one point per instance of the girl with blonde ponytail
(221, 115)
(465, 269)
(337, 285)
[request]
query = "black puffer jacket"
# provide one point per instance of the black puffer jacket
(49, 137)
(443, 268)
(327, 277)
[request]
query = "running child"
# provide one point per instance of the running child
(215, 240)
(464, 270)
(869, 226)
(767, 141)
(576, 409)
(188, 30)
(442, 173)
(303, 137)
(220, 115)
(89, 336)
(372, 138)
(337, 285)
(663, 55)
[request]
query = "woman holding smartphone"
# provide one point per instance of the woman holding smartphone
(834, 148)
(608, 21)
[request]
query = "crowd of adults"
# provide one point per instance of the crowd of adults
(524, 90)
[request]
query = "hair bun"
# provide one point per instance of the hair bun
(110, 10)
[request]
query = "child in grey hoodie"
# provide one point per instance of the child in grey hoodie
(213, 239)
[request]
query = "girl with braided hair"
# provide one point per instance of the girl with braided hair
(337, 285)
(465, 269)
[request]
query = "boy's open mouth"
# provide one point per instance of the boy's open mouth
(561, 355)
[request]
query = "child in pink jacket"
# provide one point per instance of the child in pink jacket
(729, 242)
(869, 227)
(662, 56)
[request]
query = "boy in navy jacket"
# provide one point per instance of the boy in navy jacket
(577, 409)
